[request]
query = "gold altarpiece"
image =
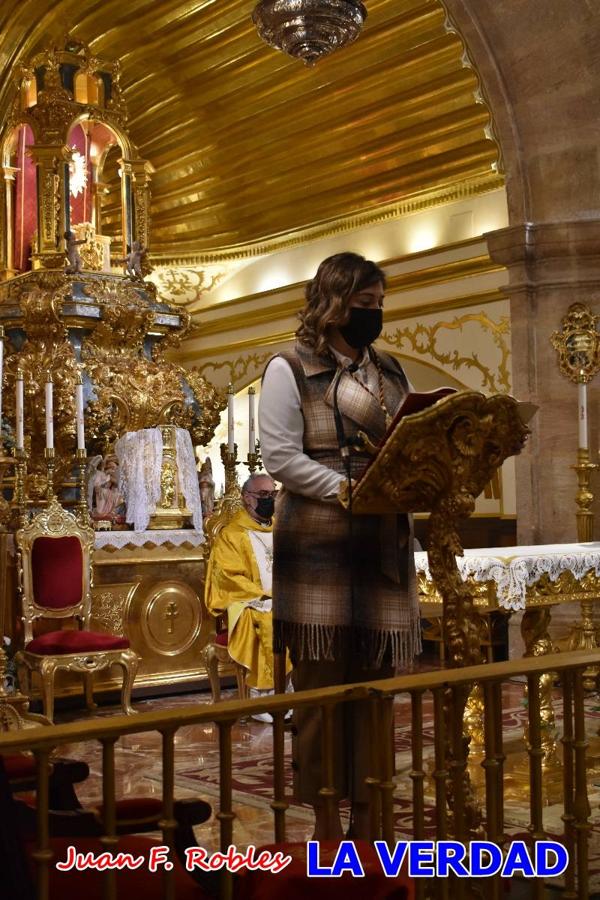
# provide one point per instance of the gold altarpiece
(68, 315)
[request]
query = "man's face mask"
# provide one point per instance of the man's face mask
(265, 507)
(363, 327)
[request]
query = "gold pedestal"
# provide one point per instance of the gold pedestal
(171, 512)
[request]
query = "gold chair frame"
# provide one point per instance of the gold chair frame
(56, 522)
(216, 657)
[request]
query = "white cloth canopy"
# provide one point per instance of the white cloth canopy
(140, 458)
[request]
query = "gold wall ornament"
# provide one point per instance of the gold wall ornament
(309, 29)
(239, 368)
(578, 344)
(185, 286)
(424, 340)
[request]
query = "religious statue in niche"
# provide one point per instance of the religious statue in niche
(105, 500)
(206, 483)
(73, 257)
(133, 260)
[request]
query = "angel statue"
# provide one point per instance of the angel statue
(133, 260)
(206, 483)
(105, 500)
(75, 261)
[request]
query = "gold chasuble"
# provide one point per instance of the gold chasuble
(238, 583)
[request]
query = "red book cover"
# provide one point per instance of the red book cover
(417, 401)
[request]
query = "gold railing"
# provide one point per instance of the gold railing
(452, 800)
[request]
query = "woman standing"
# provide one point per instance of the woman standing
(344, 595)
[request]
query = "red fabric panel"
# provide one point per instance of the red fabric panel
(57, 569)
(222, 638)
(81, 205)
(293, 883)
(134, 884)
(25, 200)
(56, 642)
(18, 765)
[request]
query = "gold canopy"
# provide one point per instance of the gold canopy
(249, 146)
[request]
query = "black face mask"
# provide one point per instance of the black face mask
(265, 507)
(363, 327)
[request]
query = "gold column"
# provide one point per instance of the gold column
(126, 203)
(8, 271)
(50, 160)
(140, 187)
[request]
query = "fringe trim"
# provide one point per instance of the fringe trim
(314, 642)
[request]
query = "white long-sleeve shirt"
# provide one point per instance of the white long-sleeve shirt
(281, 427)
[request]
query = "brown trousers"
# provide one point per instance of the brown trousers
(352, 732)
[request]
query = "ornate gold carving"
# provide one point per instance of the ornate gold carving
(165, 632)
(46, 349)
(92, 253)
(108, 609)
(132, 391)
(534, 630)
(578, 344)
(423, 340)
(185, 286)
(238, 368)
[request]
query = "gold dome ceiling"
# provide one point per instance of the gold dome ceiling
(249, 145)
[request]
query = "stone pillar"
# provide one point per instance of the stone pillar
(550, 266)
(50, 160)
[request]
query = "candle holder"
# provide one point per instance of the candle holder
(583, 633)
(19, 500)
(584, 497)
(50, 457)
(230, 461)
(83, 512)
(254, 460)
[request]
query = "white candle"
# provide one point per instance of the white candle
(583, 426)
(79, 413)
(230, 434)
(252, 428)
(19, 429)
(49, 412)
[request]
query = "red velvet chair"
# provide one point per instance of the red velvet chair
(18, 862)
(55, 583)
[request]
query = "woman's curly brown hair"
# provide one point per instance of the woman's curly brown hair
(327, 295)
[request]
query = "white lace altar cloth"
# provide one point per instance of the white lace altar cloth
(514, 569)
(120, 539)
(140, 460)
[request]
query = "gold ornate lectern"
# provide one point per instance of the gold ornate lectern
(438, 461)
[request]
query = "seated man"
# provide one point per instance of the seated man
(238, 582)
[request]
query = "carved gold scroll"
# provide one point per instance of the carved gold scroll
(438, 461)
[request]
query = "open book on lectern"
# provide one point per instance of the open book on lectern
(424, 440)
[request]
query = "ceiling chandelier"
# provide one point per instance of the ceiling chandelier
(309, 29)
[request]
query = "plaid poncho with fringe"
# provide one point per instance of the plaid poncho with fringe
(325, 579)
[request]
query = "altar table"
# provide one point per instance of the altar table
(516, 578)
(149, 585)
(532, 580)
